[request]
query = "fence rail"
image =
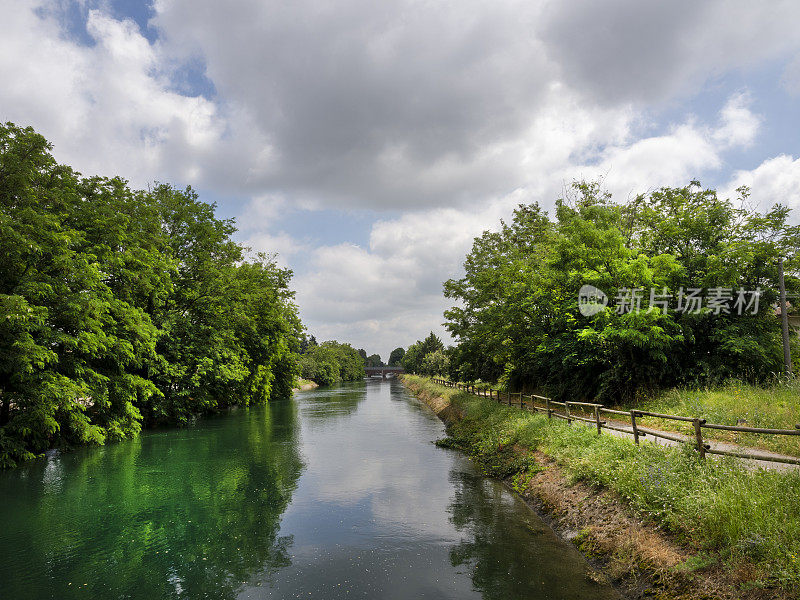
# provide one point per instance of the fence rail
(548, 406)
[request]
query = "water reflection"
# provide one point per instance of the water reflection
(174, 514)
(331, 403)
(339, 493)
(510, 552)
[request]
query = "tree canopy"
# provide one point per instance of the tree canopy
(396, 357)
(518, 319)
(414, 357)
(121, 307)
(332, 362)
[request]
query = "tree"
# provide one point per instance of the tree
(435, 363)
(306, 343)
(121, 308)
(373, 360)
(396, 357)
(517, 317)
(414, 356)
(331, 362)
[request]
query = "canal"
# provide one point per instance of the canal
(338, 493)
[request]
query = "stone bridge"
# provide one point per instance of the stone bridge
(384, 371)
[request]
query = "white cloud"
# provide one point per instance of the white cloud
(739, 125)
(774, 181)
(450, 113)
(108, 108)
(391, 292)
(649, 52)
(282, 246)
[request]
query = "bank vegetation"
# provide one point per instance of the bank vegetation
(124, 308)
(732, 532)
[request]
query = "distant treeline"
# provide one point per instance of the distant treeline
(517, 317)
(330, 362)
(427, 357)
(121, 308)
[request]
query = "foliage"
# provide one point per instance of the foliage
(373, 360)
(307, 342)
(120, 308)
(396, 357)
(517, 319)
(435, 363)
(741, 515)
(331, 362)
(415, 355)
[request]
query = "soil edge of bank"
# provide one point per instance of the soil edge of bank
(634, 555)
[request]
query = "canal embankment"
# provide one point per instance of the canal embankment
(658, 521)
(303, 385)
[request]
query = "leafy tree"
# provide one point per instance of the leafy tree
(374, 360)
(413, 358)
(435, 363)
(306, 343)
(396, 357)
(120, 308)
(517, 319)
(331, 362)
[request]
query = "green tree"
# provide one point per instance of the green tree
(517, 317)
(331, 362)
(435, 363)
(120, 307)
(374, 360)
(396, 357)
(413, 358)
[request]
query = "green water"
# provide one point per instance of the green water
(335, 494)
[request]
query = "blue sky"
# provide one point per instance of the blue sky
(368, 143)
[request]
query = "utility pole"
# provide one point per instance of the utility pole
(787, 356)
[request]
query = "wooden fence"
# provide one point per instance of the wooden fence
(551, 408)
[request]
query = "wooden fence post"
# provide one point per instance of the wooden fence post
(698, 434)
(597, 418)
(634, 427)
(566, 412)
(547, 406)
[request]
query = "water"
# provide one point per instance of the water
(338, 493)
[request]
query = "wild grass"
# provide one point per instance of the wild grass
(717, 506)
(774, 407)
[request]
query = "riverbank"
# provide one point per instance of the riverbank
(304, 385)
(657, 521)
(735, 403)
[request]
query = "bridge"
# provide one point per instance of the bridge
(384, 371)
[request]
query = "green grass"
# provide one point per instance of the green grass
(774, 407)
(714, 505)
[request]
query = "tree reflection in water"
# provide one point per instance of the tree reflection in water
(498, 552)
(173, 514)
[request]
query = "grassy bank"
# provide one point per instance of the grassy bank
(746, 523)
(776, 407)
(305, 384)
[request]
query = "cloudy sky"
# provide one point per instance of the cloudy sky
(368, 142)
